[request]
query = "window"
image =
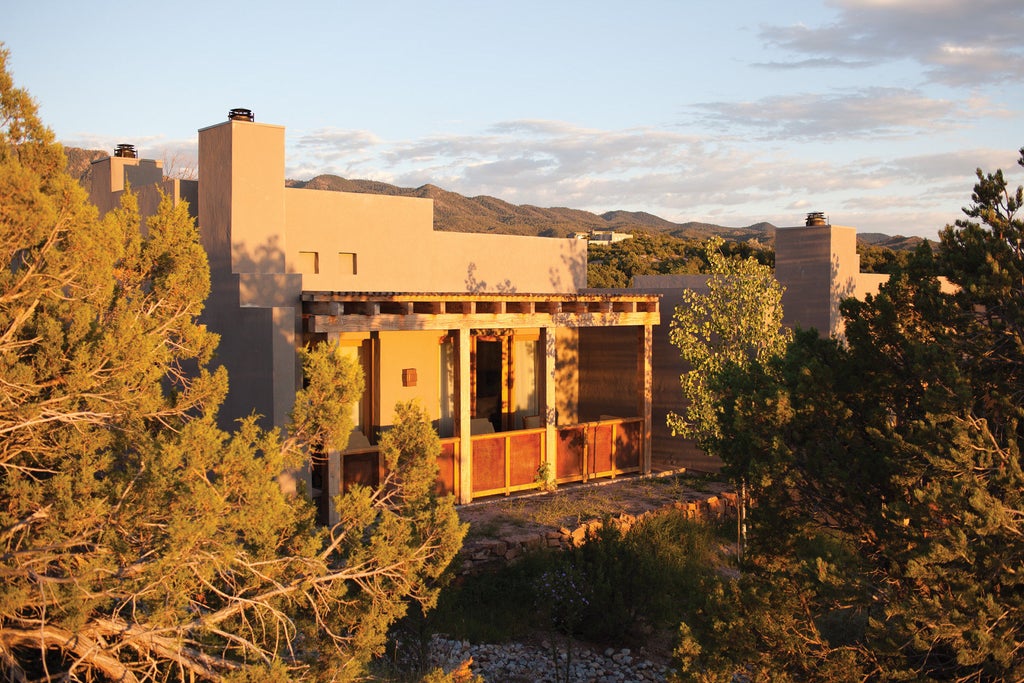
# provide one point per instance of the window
(526, 379)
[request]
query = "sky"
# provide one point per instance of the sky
(875, 112)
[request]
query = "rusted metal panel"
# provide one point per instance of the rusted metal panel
(488, 464)
(525, 452)
(572, 444)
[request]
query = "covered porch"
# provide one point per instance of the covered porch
(512, 382)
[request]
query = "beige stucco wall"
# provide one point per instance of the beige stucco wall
(252, 304)
(869, 283)
(112, 175)
(241, 196)
(253, 220)
(397, 249)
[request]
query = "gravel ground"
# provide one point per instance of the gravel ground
(526, 663)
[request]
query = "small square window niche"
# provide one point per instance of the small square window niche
(347, 261)
(309, 262)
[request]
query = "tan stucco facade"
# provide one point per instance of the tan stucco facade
(819, 267)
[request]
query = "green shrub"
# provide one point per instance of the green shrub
(622, 586)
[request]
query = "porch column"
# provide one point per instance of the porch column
(463, 465)
(547, 342)
(646, 384)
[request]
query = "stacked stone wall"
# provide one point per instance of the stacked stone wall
(485, 554)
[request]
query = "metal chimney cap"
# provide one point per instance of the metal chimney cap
(240, 115)
(817, 218)
(126, 151)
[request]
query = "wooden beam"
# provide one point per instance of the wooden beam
(453, 321)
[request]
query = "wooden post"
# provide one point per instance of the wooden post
(646, 383)
(547, 343)
(464, 461)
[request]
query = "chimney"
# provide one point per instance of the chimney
(816, 218)
(240, 115)
(126, 151)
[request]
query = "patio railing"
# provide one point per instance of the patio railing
(505, 462)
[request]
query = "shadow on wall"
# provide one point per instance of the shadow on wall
(566, 351)
(475, 286)
(577, 268)
(840, 289)
(252, 308)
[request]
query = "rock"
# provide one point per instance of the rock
(518, 662)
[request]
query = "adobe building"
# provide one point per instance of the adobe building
(515, 365)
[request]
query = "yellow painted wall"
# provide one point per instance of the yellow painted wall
(403, 350)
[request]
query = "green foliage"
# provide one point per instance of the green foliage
(879, 259)
(642, 580)
(613, 589)
(545, 477)
(738, 321)
(462, 674)
(614, 265)
(889, 531)
(322, 413)
(140, 541)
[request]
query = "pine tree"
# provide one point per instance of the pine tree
(138, 541)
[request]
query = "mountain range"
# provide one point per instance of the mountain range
(458, 213)
(483, 214)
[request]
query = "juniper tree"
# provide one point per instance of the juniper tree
(888, 540)
(138, 541)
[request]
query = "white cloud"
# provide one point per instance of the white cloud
(873, 112)
(957, 42)
(682, 177)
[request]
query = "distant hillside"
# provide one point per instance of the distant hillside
(454, 212)
(80, 162)
(896, 243)
(457, 213)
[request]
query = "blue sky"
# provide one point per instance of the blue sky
(876, 112)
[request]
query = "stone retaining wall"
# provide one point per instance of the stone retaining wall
(478, 555)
